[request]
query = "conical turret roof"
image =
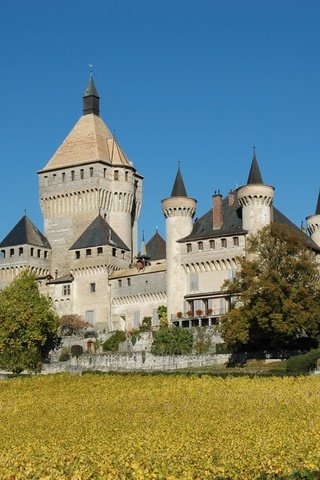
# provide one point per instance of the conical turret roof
(179, 190)
(254, 174)
(318, 205)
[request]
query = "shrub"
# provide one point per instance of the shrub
(76, 351)
(172, 341)
(64, 354)
(303, 363)
(72, 324)
(146, 324)
(112, 344)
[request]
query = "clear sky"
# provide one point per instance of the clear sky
(195, 81)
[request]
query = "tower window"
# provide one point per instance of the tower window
(63, 176)
(104, 172)
(126, 176)
(38, 253)
(116, 175)
(81, 173)
(20, 251)
(66, 289)
(91, 171)
(114, 252)
(77, 254)
(189, 247)
(92, 287)
(88, 252)
(119, 283)
(11, 252)
(129, 282)
(212, 244)
(99, 251)
(122, 254)
(200, 245)
(45, 254)
(236, 241)
(223, 242)
(72, 175)
(31, 251)
(3, 254)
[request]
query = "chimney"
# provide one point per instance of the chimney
(231, 198)
(217, 219)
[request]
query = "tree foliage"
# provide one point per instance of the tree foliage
(72, 324)
(28, 325)
(278, 292)
(163, 315)
(172, 341)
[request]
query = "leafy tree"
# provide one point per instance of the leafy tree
(278, 292)
(172, 341)
(163, 316)
(72, 324)
(113, 342)
(28, 325)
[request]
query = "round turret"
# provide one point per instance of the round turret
(313, 223)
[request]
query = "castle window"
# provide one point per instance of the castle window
(81, 173)
(20, 251)
(126, 176)
(3, 254)
(92, 287)
(114, 252)
(66, 289)
(193, 281)
(104, 172)
(88, 252)
(236, 241)
(38, 253)
(116, 175)
(122, 254)
(31, 251)
(63, 176)
(77, 254)
(119, 283)
(45, 254)
(11, 252)
(212, 244)
(54, 177)
(90, 316)
(72, 175)
(99, 251)
(189, 247)
(91, 171)
(223, 242)
(200, 245)
(129, 282)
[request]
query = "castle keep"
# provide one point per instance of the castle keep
(88, 259)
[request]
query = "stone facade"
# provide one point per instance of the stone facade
(88, 260)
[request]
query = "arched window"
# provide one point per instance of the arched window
(212, 244)
(189, 247)
(223, 242)
(116, 175)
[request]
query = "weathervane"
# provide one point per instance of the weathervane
(90, 70)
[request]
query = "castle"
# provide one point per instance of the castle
(88, 259)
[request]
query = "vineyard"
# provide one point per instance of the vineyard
(158, 427)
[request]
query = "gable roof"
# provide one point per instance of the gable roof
(25, 232)
(156, 247)
(97, 234)
(89, 141)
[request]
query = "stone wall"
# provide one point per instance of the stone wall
(136, 361)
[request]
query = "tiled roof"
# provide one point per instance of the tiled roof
(64, 279)
(90, 140)
(25, 232)
(97, 234)
(156, 247)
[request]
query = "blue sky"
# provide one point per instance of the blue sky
(194, 81)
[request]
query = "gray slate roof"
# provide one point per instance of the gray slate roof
(179, 190)
(255, 176)
(232, 224)
(156, 247)
(97, 234)
(25, 232)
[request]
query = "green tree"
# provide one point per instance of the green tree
(172, 341)
(28, 325)
(277, 293)
(163, 316)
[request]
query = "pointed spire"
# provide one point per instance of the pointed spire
(318, 205)
(179, 190)
(254, 174)
(91, 98)
(143, 246)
